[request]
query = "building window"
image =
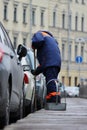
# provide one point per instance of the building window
(70, 17)
(33, 17)
(54, 19)
(83, 2)
(82, 51)
(69, 81)
(76, 1)
(76, 23)
(63, 80)
(42, 18)
(5, 12)
(24, 15)
(63, 51)
(75, 81)
(15, 14)
(82, 24)
(63, 21)
(24, 41)
(15, 42)
(70, 52)
(76, 50)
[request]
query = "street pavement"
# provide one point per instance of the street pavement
(74, 118)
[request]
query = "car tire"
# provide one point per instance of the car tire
(22, 105)
(8, 107)
(21, 109)
(19, 114)
(5, 119)
(33, 103)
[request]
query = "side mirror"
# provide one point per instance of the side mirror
(21, 51)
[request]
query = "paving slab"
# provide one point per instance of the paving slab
(74, 118)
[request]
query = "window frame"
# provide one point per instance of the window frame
(42, 18)
(5, 11)
(33, 16)
(15, 14)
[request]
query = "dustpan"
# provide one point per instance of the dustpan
(56, 106)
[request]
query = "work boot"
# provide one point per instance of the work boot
(53, 99)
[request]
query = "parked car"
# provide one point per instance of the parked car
(62, 90)
(11, 78)
(40, 87)
(29, 86)
(72, 91)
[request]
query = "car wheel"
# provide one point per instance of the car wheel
(19, 113)
(22, 104)
(8, 107)
(33, 102)
(21, 109)
(40, 103)
(5, 119)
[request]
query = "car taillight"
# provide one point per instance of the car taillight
(26, 80)
(1, 54)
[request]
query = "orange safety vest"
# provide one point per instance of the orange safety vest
(45, 34)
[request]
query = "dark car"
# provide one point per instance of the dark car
(11, 78)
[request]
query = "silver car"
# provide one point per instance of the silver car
(11, 78)
(40, 85)
(29, 86)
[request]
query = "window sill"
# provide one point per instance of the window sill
(24, 23)
(15, 21)
(5, 20)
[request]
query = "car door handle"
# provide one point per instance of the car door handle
(11, 56)
(18, 62)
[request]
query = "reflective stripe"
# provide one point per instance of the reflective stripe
(52, 94)
(45, 34)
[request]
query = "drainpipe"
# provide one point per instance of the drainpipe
(68, 69)
(30, 28)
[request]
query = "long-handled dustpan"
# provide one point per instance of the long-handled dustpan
(56, 106)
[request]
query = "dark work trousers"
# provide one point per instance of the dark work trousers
(51, 73)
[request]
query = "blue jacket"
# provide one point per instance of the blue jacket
(48, 52)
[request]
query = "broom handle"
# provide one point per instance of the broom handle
(35, 81)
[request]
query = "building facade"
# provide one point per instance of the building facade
(66, 19)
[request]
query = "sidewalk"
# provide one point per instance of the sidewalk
(74, 118)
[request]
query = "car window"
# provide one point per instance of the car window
(1, 36)
(5, 38)
(30, 56)
(25, 64)
(30, 61)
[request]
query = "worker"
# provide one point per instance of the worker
(49, 57)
